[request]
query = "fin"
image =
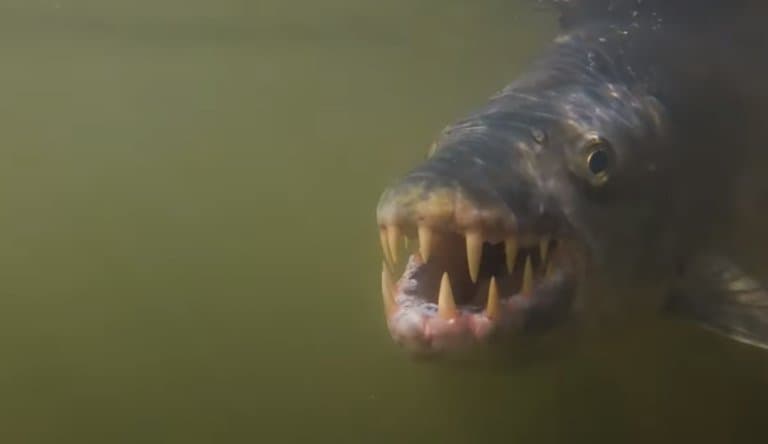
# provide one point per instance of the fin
(716, 293)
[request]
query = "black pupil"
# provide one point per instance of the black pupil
(598, 161)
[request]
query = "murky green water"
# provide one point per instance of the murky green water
(188, 250)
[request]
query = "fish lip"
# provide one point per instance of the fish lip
(449, 207)
(415, 324)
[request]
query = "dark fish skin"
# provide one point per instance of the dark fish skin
(724, 14)
(522, 151)
(675, 104)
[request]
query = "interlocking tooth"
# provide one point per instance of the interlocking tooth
(527, 287)
(385, 245)
(544, 248)
(493, 306)
(474, 254)
(393, 240)
(446, 306)
(425, 242)
(387, 289)
(431, 150)
(510, 249)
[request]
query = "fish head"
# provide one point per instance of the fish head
(517, 206)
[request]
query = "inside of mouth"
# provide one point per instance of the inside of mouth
(422, 280)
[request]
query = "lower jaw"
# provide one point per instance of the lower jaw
(421, 326)
(425, 333)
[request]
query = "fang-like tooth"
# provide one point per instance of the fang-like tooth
(474, 254)
(493, 306)
(544, 248)
(393, 240)
(446, 306)
(431, 150)
(527, 287)
(510, 249)
(387, 289)
(385, 245)
(425, 242)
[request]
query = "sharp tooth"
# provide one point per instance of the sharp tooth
(510, 248)
(431, 150)
(446, 306)
(385, 245)
(474, 254)
(493, 305)
(393, 239)
(527, 288)
(425, 242)
(544, 248)
(387, 289)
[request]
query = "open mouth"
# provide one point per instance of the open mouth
(458, 289)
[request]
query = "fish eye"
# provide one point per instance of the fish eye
(599, 160)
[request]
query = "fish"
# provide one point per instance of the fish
(619, 166)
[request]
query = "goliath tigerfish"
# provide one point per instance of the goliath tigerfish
(627, 154)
